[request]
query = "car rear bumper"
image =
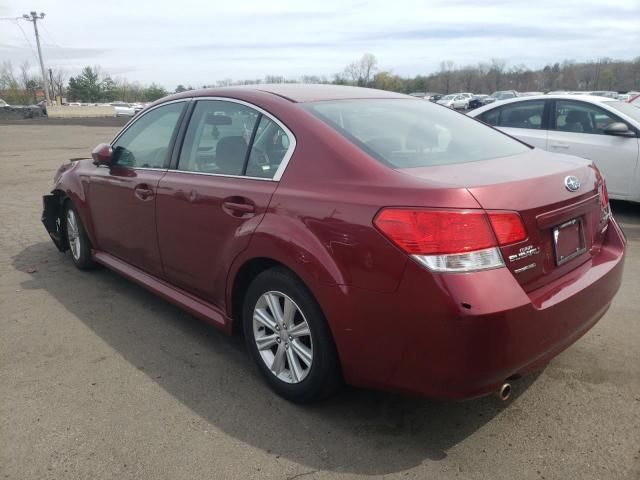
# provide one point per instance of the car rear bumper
(463, 335)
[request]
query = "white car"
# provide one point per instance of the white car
(601, 129)
(3, 103)
(123, 109)
(454, 101)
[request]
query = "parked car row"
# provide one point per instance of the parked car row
(467, 101)
(123, 109)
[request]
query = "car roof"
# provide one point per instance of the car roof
(297, 92)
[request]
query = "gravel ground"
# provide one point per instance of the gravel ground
(101, 379)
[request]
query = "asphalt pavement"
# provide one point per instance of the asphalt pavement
(101, 379)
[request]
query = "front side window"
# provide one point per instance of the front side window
(522, 115)
(581, 117)
(145, 144)
(217, 139)
(412, 133)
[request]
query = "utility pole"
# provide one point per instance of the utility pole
(53, 87)
(34, 17)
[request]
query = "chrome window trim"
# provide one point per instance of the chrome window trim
(150, 169)
(287, 156)
(245, 177)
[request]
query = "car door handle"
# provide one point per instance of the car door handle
(143, 192)
(559, 145)
(238, 206)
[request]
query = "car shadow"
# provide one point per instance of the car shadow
(355, 431)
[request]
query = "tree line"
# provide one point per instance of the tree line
(602, 74)
(91, 85)
(94, 85)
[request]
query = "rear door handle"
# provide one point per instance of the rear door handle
(238, 206)
(559, 145)
(143, 192)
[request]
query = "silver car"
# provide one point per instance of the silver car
(601, 129)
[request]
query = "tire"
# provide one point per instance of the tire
(79, 244)
(283, 345)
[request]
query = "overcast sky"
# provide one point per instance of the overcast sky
(197, 42)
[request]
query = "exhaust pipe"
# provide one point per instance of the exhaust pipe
(504, 393)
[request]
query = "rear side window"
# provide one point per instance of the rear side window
(217, 139)
(516, 115)
(413, 133)
(522, 115)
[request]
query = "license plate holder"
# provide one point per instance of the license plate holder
(568, 241)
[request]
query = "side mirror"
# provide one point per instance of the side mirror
(620, 129)
(103, 155)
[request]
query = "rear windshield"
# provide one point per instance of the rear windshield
(414, 133)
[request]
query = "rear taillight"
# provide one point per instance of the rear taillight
(451, 240)
(605, 206)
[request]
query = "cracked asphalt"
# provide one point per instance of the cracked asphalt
(101, 379)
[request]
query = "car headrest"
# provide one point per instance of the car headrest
(419, 138)
(385, 146)
(230, 152)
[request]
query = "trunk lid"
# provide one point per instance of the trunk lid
(533, 184)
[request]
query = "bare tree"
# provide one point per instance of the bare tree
(58, 81)
(446, 71)
(361, 71)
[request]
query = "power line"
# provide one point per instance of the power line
(33, 50)
(57, 45)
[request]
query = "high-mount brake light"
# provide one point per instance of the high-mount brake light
(451, 240)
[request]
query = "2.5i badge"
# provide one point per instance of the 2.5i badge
(524, 252)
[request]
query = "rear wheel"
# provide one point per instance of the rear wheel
(79, 244)
(287, 336)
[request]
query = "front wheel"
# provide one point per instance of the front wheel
(79, 243)
(288, 337)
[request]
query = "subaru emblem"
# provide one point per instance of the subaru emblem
(572, 183)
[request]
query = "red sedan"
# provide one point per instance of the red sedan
(352, 235)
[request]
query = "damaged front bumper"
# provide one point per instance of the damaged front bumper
(52, 209)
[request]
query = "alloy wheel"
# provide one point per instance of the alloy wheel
(283, 337)
(73, 234)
